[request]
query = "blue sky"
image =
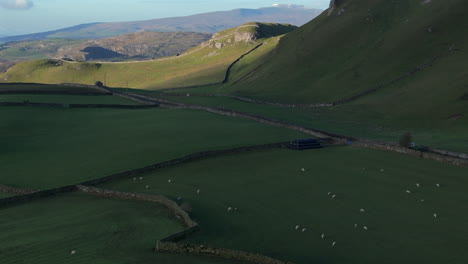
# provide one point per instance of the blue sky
(30, 16)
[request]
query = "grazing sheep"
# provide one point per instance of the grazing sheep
(408, 191)
(382, 170)
(355, 225)
(362, 210)
(229, 209)
(141, 178)
(169, 181)
(333, 196)
(418, 185)
(365, 228)
(303, 170)
(323, 236)
(334, 243)
(134, 178)
(297, 227)
(303, 230)
(73, 252)
(147, 187)
(437, 185)
(198, 191)
(329, 193)
(422, 200)
(235, 209)
(435, 215)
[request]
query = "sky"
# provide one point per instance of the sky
(32, 16)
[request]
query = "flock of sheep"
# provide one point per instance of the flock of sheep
(362, 210)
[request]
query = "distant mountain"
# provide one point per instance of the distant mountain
(206, 23)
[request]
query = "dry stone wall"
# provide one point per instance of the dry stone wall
(175, 209)
(216, 252)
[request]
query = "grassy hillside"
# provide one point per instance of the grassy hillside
(204, 64)
(273, 195)
(360, 46)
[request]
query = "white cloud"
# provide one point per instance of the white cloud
(16, 4)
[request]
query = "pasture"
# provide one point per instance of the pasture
(273, 195)
(380, 122)
(46, 147)
(66, 99)
(100, 231)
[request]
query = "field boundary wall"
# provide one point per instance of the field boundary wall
(453, 158)
(200, 250)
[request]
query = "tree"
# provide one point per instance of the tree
(406, 139)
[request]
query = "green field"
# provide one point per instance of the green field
(18, 87)
(361, 119)
(100, 230)
(273, 195)
(5, 195)
(45, 147)
(66, 99)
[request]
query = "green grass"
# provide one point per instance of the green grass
(273, 195)
(363, 119)
(66, 99)
(46, 88)
(45, 147)
(6, 195)
(100, 230)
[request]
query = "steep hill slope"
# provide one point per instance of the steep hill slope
(206, 22)
(362, 45)
(204, 64)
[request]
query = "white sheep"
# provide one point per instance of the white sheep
(169, 181)
(229, 209)
(297, 227)
(435, 215)
(333, 196)
(198, 191)
(147, 187)
(437, 185)
(362, 210)
(365, 228)
(418, 185)
(382, 170)
(323, 236)
(355, 225)
(73, 252)
(408, 191)
(422, 200)
(334, 243)
(304, 229)
(329, 193)
(179, 198)
(134, 178)
(141, 178)
(303, 170)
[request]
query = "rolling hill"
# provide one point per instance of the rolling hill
(133, 46)
(363, 45)
(206, 23)
(206, 63)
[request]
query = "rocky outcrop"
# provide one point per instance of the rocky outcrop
(334, 5)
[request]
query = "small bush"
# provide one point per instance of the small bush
(98, 84)
(405, 140)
